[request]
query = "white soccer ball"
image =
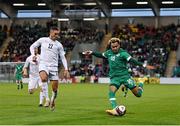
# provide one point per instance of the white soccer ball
(121, 110)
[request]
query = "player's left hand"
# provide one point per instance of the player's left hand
(150, 67)
(66, 74)
(25, 74)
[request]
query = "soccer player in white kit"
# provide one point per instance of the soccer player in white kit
(51, 51)
(32, 66)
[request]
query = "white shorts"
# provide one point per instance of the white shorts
(51, 71)
(34, 82)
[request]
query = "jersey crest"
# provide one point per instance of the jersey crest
(113, 58)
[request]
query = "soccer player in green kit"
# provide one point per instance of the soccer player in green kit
(119, 74)
(18, 74)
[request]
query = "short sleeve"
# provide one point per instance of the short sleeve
(27, 63)
(105, 54)
(61, 49)
(126, 55)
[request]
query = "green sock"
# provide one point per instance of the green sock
(18, 86)
(112, 99)
(140, 90)
(141, 85)
(21, 86)
(125, 91)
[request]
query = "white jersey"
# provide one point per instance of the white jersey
(33, 66)
(50, 52)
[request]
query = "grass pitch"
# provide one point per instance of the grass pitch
(85, 104)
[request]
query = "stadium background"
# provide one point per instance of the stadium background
(150, 31)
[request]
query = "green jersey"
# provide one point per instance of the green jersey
(119, 71)
(19, 69)
(118, 62)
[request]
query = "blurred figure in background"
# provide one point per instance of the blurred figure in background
(32, 67)
(18, 74)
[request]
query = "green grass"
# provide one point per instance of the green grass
(85, 104)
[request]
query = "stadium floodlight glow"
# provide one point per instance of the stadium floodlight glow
(88, 19)
(63, 19)
(90, 4)
(41, 4)
(18, 4)
(167, 2)
(140, 2)
(67, 4)
(116, 3)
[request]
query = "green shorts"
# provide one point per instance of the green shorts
(18, 77)
(127, 81)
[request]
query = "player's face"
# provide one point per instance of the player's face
(115, 47)
(54, 34)
(36, 51)
(19, 61)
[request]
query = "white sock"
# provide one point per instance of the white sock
(41, 97)
(54, 95)
(46, 92)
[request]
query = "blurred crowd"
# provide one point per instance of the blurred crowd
(145, 43)
(24, 35)
(3, 33)
(149, 44)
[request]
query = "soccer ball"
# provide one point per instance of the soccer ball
(121, 110)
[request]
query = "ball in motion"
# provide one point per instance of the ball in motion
(121, 110)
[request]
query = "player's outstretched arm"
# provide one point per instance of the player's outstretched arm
(97, 54)
(132, 60)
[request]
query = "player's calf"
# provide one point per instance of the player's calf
(52, 103)
(54, 95)
(137, 91)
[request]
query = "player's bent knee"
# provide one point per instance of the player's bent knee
(44, 76)
(139, 93)
(44, 79)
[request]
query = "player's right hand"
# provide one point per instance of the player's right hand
(25, 74)
(66, 74)
(88, 52)
(150, 67)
